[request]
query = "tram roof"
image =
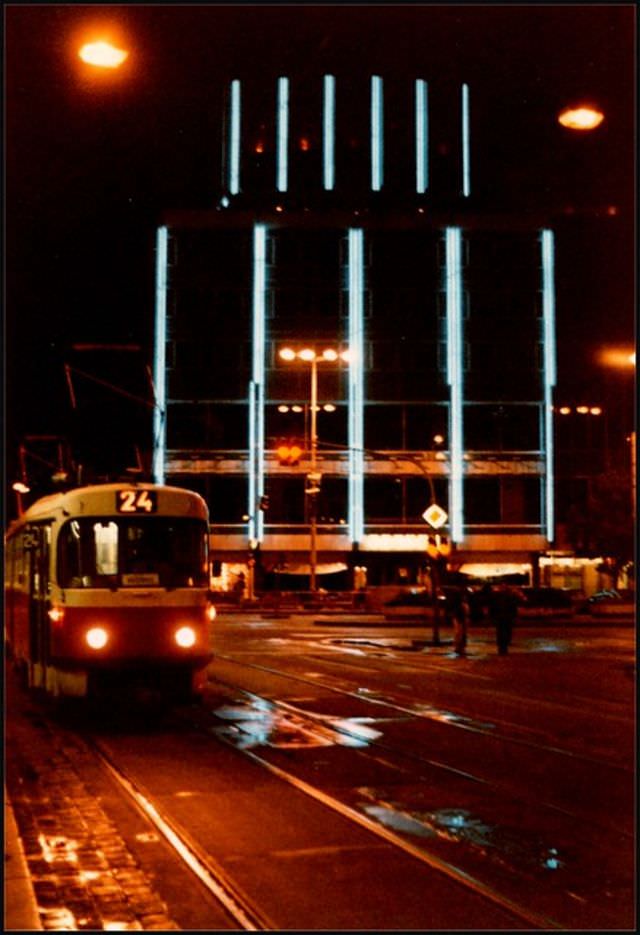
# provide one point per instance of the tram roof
(69, 501)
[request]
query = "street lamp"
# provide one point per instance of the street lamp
(102, 54)
(309, 356)
(581, 117)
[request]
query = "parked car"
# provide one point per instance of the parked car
(545, 602)
(609, 601)
(409, 604)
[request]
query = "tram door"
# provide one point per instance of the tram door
(38, 548)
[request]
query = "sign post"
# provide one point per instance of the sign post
(438, 548)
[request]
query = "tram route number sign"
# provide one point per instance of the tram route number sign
(136, 501)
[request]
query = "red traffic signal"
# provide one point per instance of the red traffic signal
(438, 546)
(289, 453)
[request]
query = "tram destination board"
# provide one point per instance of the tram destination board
(136, 501)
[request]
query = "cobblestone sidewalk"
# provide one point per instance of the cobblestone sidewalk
(84, 876)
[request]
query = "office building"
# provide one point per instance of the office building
(347, 218)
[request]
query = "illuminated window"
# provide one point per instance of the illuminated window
(548, 316)
(455, 368)
(329, 132)
(282, 135)
(377, 132)
(256, 398)
(356, 384)
(159, 367)
(234, 138)
(422, 137)
(466, 153)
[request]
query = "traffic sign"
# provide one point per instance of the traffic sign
(435, 516)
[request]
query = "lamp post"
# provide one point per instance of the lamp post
(438, 548)
(309, 355)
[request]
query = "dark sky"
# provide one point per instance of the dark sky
(92, 160)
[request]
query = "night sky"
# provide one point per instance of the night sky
(93, 159)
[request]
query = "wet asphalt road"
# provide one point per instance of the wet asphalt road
(517, 771)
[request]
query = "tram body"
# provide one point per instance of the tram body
(106, 588)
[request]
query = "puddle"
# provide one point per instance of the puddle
(548, 646)
(388, 643)
(507, 846)
(261, 723)
(448, 717)
(398, 821)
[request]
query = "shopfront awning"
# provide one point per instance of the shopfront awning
(328, 568)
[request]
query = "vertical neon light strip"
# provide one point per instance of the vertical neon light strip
(377, 125)
(160, 358)
(282, 134)
(455, 351)
(234, 138)
(549, 376)
(256, 390)
(466, 152)
(329, 132)
(356, 385)
(422, 137)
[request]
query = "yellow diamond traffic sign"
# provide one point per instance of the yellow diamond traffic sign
(435, 516)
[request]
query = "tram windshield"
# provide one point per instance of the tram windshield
(107, 552)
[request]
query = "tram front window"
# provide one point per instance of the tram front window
(160, 551)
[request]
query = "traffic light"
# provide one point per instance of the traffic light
(264, 502)
(289, 453)
(438, 546)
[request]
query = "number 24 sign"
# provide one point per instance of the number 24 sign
(137, 501)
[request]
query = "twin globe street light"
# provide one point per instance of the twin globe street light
(309, 356)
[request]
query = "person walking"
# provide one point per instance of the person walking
(503, 610)
(456, 614)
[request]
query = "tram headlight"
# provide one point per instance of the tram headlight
(97, 637)
(185, 637)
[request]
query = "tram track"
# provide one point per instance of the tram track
(411, 755)
(242, 909)
(495, 790)
(237, 904)
(202, 865)
(522, 913)
(341, 727)
(456, 720)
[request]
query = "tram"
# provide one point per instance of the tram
(106, 590)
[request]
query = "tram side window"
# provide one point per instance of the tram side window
(16, 561)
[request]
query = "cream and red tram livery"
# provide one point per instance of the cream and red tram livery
(107, 585)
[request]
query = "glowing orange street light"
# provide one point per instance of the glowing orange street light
(620, 358)
(102, 54)
(583, 117)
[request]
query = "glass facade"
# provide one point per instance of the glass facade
(448, 318)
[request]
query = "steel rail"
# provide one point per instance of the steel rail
(421, 714)
(413, 756)
(466, 880)
(202, 865)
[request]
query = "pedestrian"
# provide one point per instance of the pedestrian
(503, 610)
(456, 614)
(475, 602)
